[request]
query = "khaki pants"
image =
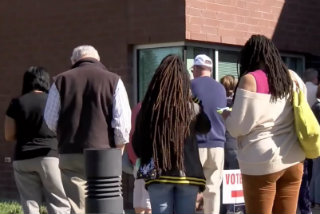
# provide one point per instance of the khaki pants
(74, 181)
(36, 176)
(212, 160)
(275, 193)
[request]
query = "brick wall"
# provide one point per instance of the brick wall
(298, 27)
(293, 24)
(45, 32)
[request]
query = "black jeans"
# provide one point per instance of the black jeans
(304, 202)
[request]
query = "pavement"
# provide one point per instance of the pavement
(315, 210)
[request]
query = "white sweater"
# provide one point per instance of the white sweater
(267, 140)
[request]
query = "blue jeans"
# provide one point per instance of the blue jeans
(173, 198)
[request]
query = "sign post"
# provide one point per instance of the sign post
(232, 192)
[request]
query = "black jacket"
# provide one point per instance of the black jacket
(193, 174)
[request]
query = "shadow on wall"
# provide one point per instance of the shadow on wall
(298, 30)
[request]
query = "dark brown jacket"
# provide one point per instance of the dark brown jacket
(86, 93)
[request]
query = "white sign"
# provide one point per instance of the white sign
(232, 192)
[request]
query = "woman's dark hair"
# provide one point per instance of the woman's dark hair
(36, 78)
(259, 52)
(163, 121)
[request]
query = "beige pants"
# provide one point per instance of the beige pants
(212, 160)
(74, 181)
(36, 176)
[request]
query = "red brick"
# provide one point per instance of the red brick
(223, 2)
(196, 4)
(194, 11)
(240, 19)
(198, 36)
(242, 12)
(212, 22)
(213, 38)
(226, 17)
(194, 28)
(210, 14)
(44, 33)
(227, 25)
(241, 4)
(214, 7)
(278, 3)
(255, 14)
(252, 21)
(241, 27)
(228, 39)
(210, 30)
(196, 20)
(188, 36)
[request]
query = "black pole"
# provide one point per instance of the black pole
(103, 173)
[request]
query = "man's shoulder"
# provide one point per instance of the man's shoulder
(204, 79)
(206, 82)
(90, 69)
(65, 73)
(310, 85)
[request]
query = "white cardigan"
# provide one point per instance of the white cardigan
(267, 140)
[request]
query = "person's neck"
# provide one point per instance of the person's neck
(204, 74)
(37, 91)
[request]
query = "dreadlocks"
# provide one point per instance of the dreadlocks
(163, 121)
(261, 51)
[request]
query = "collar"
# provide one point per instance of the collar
(88, 59)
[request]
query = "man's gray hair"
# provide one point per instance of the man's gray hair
(310, 75)
(84, 51)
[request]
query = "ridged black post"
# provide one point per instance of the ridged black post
(104, 189)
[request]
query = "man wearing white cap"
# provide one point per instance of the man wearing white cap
(211, 145)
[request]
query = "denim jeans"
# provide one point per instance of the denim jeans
(173, 198)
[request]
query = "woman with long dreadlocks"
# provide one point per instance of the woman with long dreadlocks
(165, 139)
(262, 119)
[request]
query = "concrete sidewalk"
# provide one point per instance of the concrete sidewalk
(315, 210)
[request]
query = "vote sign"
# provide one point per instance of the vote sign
(232, 192)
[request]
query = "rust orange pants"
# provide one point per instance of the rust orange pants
(275, 193)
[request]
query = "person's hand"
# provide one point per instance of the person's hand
(225, 114)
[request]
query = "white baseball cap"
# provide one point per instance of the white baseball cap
(203, 60)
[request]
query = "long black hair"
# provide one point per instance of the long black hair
(163, 122)
(36, 78)
(260, 52)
